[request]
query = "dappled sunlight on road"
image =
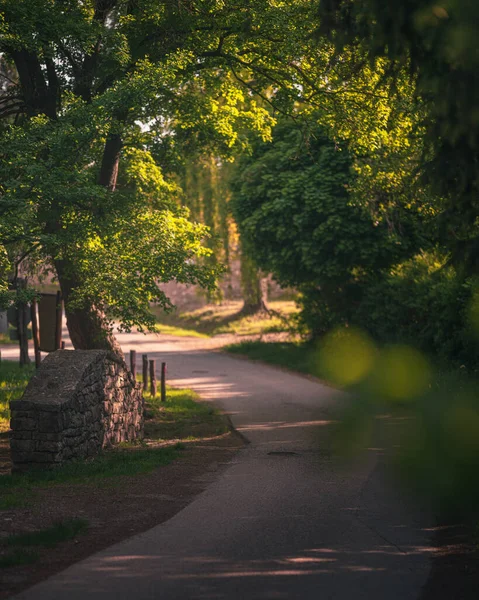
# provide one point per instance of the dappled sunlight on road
(209, 576)
(286, 517)
(284, 425)
(209, 388)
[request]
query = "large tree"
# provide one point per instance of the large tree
(436, 42)
(320, 225)
(99, 82)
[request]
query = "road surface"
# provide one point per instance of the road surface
(285, 520)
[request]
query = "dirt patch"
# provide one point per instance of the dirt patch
(115, 509)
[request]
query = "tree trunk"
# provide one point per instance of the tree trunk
(110, 161)
(88, 326)
(254, 287)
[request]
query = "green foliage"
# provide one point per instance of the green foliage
(105, 85)
(13, 381)
(424, 305)
(294, 205)
(437, 43)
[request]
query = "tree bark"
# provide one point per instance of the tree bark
(110, 161)
(88, 326)
(254, 287)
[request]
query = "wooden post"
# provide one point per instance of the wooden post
(163, 382)
(133, 363)
(153, 377)
(22, 325)
(58, 329)
(35, 333)
(63, 345)
(145, 372)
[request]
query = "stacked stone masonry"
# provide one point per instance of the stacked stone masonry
(78, 403)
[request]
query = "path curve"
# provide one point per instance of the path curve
(285, 520)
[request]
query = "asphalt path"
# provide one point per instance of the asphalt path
(285, 520)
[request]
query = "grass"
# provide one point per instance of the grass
(181, 417)
(124, 461)
(179, 331)
(291, 355)
(50, 537)
(13, 381)
(19, 557)
(226, 318)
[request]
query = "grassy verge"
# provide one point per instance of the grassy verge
(13, 380)
(168, 426)
(181, 417)
(23, 544)
(226, 318)
(290, 355)
(119, 492)
(18, 490)
(178, 331)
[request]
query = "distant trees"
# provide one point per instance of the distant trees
(293, 204)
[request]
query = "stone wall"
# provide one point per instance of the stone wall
(77, 403)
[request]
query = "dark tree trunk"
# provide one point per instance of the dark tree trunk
(110, 161)
(88, 327)
(254, 288)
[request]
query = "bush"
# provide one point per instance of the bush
(427, 310)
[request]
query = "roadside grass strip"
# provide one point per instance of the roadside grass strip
(168, 426)
(178, 331)
(18, 557)
(50, 537)
(290, 355)
(181, 417)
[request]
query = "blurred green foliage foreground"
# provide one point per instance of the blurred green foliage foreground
(426, 420)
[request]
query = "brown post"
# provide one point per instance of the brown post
(63, 345)
(35, 333)
(163, 382)
(58, 329)
(153, 377)
(22, 318)
(145, 372)
(133, 363)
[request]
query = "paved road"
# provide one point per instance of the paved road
(284, 521)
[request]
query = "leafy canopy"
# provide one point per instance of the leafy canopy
(100, 81)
